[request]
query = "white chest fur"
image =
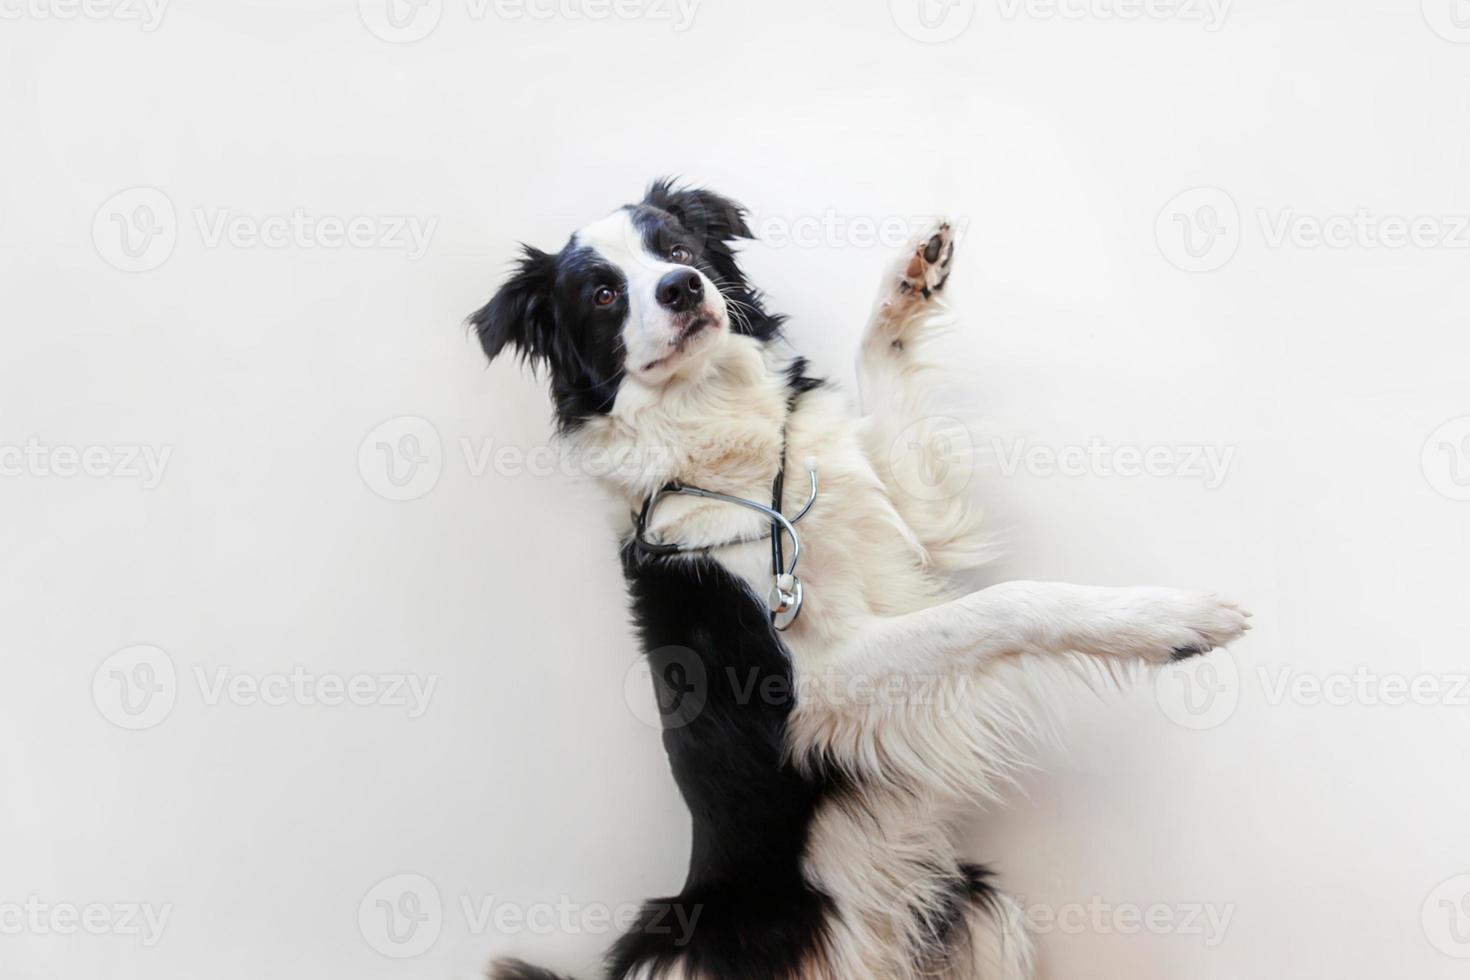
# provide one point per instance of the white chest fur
(723, 431)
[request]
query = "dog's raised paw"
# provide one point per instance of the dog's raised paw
(1162, 626)
(926, 261)
(919, 275)
(1204, 623)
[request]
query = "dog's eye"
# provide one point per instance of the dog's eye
(604, 296)
(681, 255)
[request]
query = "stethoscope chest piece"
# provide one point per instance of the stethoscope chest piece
(784, 601)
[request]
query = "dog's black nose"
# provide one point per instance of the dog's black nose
(680, 290)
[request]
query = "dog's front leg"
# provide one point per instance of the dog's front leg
(1150, 624)
(948, 696)
(921, 452)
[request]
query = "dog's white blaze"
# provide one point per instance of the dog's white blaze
(649, 329)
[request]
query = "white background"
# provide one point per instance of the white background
(1330, 829)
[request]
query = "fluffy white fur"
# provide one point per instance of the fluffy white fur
(930, 695)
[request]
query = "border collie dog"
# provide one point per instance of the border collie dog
(821, 757)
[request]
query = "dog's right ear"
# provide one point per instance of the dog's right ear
(520, 314)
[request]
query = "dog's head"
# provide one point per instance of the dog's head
(646, 293)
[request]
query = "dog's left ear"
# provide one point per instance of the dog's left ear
(714, 216)
(520, 314)
(714, 219)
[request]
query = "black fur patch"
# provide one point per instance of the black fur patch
(798, 382)
(946, 929)
(725, 689)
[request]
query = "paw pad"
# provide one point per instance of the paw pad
(926, 268)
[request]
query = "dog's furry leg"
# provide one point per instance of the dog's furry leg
(907, 299)
(1150, 624)
(948, 698)
(914, 441)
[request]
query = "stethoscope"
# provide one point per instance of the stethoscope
(784, 599)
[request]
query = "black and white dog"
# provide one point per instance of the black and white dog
(821, 759)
